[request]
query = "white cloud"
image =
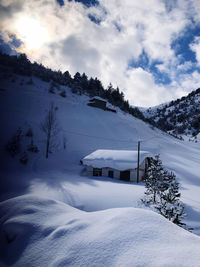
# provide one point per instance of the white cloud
(127, 28)
(186, 66)
(195, 47)
(142, 88)
(187, 83)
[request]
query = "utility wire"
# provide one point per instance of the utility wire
(150, 138)
(110, 139)
(99, 137)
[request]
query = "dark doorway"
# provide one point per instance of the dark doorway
(110, 174)
(97, 172)
(125, 175)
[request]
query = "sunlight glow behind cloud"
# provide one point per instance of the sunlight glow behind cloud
(31, 32)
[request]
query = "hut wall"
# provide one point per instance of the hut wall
(89, 170)
(105, 171)
(116, 173)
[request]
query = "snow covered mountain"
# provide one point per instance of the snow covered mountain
(51, 213)
(180, 117)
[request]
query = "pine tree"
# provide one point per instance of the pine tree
(67, 79)
(162, 192)
(154, 176)
(170, 205)
(76, 86)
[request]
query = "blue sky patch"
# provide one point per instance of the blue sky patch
(87, 3)
(94, 19)
(144, 63)
(181, 45)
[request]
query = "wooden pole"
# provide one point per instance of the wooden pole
(138, 162)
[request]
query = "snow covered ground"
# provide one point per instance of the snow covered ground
(33, 234)
(52, 208)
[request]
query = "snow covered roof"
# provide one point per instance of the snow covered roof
(116, 159)
(98, 98)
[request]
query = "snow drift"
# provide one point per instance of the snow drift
(44, 232)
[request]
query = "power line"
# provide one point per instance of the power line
(111, 139)
(100, 137)
(151, 138)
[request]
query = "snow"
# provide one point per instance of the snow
(31, 233)
(181, 116)
(98, 98)
(61, 217)
(116, 159)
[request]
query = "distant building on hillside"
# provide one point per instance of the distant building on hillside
(99, 102)
(118, 164)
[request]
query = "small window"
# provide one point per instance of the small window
(110, 174)
(125, 175)
(97, 172)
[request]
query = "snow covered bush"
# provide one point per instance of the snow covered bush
(162, 192)
(29, 132)
(14, 145)
(64, 142)
(30, 81)
(32, 147)
(51, 89)
(18, 143)
(63, 93)
(24, 158)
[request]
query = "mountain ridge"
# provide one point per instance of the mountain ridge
(180, 117)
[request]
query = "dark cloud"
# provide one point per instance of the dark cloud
(5, 48)
(14, 41)
(75, 53)
(7, 11)
(9, 47)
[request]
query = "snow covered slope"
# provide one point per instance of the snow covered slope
(61, 178)
(180, 117)
(70, 237)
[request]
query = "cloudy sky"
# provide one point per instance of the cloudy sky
(150, 49)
